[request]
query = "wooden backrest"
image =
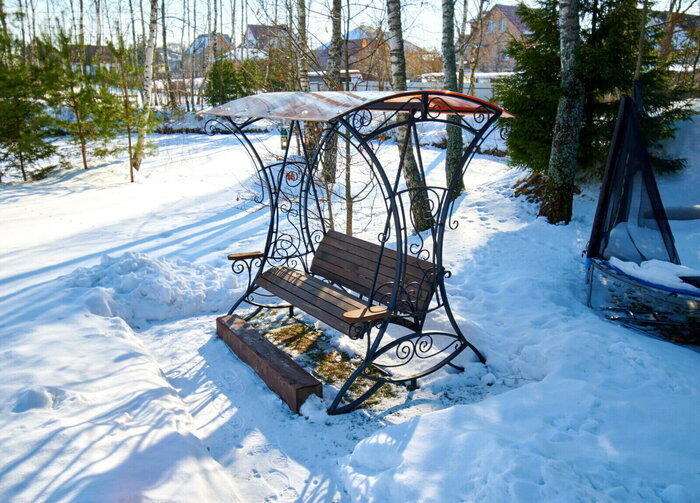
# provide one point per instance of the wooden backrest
(351, 262)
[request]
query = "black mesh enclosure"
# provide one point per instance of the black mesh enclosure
(630, 221)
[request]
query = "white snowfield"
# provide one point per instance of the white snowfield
(115, 387)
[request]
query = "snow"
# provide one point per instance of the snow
(116, 388)
(659, 273)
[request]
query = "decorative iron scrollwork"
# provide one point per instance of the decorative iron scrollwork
(246, 265)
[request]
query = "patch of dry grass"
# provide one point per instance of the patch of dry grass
(313, 350)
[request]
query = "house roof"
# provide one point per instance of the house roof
(509, 11)
(201, 43)
(684, 20)
(325, 106)
(362, 32)
(264, 34)
(88, 53)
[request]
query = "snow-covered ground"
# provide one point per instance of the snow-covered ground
(116, 388)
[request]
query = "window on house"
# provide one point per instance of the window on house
(504, 55)
(502, 25)
(490, 27)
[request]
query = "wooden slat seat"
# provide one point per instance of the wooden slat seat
(312, 295)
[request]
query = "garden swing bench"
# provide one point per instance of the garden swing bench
(359, 287)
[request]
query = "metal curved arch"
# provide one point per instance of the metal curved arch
(408, 299)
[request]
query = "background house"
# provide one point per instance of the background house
(367, 50)
(679, 45)
(317, 80)
(90, 57)
(259, 40)
(500, 25)
(173, 56)
(201, 53)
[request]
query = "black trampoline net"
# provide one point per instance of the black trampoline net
(630, 221)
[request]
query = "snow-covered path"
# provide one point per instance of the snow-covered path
(115, 387)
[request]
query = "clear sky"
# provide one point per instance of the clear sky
(422, 19)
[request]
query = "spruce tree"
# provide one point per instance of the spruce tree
(607, 56)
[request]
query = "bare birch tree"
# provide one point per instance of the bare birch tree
(301, 54)
(561, 172)
(334, 54)
(334, 84)
(140, 148)
(476, 43)
(412, 175)
(455, 146)
(166, 63)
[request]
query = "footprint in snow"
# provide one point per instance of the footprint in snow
(40, 397)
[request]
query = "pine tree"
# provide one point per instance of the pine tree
(608, 51)
(223, 83)
(80, 94)
(26, 127)
(125, 76)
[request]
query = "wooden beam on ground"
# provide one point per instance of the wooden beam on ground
(282, 375)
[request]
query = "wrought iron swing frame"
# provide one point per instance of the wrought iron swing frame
(290, 190)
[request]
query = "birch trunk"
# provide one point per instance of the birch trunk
(462, 46)
(140, 148)
(334, 84)
(455, 146)
(172, 103)
(412, 175)
(133, 23)
(334, 54)
(312, 130)
(476, 46)
(302, 64)
(98, 23)
(561, 172)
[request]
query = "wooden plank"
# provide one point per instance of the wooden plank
(316, 288)
(245, 255)
(313, 284)
(366, 314)
(282, 375)
(364, 257)
(359, 281)
(361, 244)
(328, 312)
(360, 277)
(331, 319)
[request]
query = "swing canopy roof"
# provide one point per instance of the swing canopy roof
(328, 105)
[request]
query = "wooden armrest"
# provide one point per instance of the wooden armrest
(366, 314)
(245, 255)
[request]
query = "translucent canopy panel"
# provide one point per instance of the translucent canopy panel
(328, 105)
